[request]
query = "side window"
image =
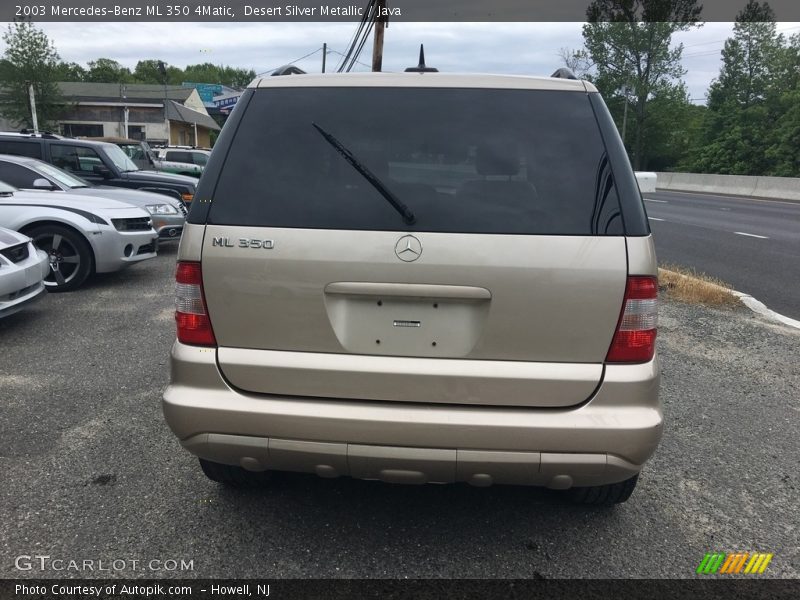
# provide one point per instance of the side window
(200, 159)
(17, 175)
(179, 156)
(76, 159)
(21, 148)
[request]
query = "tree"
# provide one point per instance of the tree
(106, 70)
(148, 71)
(628, 42)
(749, 99)
(750, 58)
(210, 73)
(69, 71)
(29, 59)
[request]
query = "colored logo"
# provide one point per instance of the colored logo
(747, 563)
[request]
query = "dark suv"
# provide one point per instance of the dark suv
(97, 162)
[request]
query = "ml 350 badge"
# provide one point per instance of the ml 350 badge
(243, 243)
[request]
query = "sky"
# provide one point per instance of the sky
(514, 48)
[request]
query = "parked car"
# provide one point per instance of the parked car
(168, 214)
(82, 235)
(23, 268)
(99, 163)
(138, 151)
(183, 160)
(465, 293)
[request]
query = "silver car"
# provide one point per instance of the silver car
(81, 235)
(439, 278)
(23, 268)
(168, 214)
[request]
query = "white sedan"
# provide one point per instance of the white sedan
(23, 268)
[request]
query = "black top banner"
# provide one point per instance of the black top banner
(353, 10)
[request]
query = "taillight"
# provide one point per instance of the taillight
(635, 338)
(191, 316)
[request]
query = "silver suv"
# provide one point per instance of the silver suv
(419, 277)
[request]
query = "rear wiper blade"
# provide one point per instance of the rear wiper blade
(397, 204)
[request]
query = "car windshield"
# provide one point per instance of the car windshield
(60, 176)
(119, 158)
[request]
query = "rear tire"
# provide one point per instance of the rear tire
(603, 495)
(233, 476)
(69, 253)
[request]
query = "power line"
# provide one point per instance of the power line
(708, 52)
(296, 60)
(363, 64)
(359, 38)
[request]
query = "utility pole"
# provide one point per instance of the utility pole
(625, 92)
(324, 55)
(162, 69)
(377, 42)
(33, 108)
(123, 92)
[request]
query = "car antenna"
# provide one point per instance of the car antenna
(421, 68)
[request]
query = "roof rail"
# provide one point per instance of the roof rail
(288, 70)
(564, 73)
(42, 134)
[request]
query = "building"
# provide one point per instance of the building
(156, 113)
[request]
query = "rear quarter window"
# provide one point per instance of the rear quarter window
(463, 160)
(21, 148)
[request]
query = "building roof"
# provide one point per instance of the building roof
(114, 92)
(184, 114)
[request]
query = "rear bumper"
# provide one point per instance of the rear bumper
(605, 440)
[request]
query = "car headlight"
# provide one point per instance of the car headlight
(161, 209)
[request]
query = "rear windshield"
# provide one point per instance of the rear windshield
(462, 160)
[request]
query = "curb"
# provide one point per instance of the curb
(753, 304)
(760, 308)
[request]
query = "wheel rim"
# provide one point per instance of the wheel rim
(64, 258)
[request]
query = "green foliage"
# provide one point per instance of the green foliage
(628, 44)
(752, 126)
(69, 71)
(29, 59)
(106, 70)
(209, 73)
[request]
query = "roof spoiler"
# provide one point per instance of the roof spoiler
(287, 70)
(564, 73)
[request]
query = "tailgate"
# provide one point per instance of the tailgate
(492, 319)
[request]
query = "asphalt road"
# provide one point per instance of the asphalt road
(753, 245)
(90, 471)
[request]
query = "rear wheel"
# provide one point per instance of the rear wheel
(233, 476)
(603, 495)
(70, 256)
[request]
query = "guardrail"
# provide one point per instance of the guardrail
(647, 181)
(779, 188)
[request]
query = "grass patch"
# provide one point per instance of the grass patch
(687, 285)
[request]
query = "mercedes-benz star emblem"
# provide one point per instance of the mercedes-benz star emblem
(408, 248)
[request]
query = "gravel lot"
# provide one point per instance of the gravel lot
(91, 471)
